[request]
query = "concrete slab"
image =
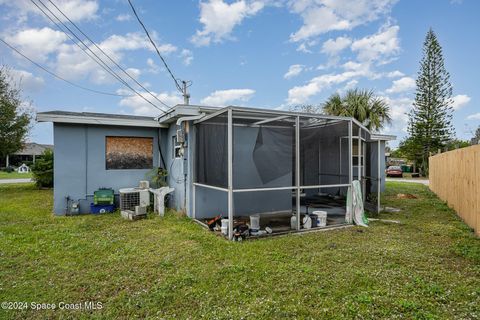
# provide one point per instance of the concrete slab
(5, 181)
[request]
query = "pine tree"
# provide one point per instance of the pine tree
(476, 137)
(430, 120)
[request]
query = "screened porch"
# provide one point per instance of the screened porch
(280, 165)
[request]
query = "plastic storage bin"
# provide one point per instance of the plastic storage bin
(103, 196)
(101, 208)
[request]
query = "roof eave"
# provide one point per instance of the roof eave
(182, 110)
(55, 118)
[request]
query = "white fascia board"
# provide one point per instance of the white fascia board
(98, 121)
(182, 110)
(382, 137)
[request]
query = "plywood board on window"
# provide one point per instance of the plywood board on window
(129, 153)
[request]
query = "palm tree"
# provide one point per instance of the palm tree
(372, 111)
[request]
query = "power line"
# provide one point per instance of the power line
(101, 50)
(59, 77)
(100, 62)
(156, 49)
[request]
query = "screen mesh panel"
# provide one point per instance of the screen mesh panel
(212, 152)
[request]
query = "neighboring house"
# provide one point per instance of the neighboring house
(29, 153)
(231, 161)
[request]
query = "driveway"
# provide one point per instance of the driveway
(422, 181)
(15, 180)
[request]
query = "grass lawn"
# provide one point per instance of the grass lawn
(428, 267)
(15, 175)
(407, 175)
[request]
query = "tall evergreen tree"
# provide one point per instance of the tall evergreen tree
(430, 120)
(476, 137)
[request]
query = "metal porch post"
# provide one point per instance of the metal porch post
(194, 204)
(230, 174)
(359, 154)
(379, 179)
(297, 168)
(350, 166)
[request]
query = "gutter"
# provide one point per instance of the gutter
(190, 118)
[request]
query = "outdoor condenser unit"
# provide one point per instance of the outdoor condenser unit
(131, 197)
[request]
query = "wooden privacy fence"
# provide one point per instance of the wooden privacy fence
(455, 178)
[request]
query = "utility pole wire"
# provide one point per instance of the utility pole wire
(112, 60)
(156, 49)
(59, 77)
(100, 62)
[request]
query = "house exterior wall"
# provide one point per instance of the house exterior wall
(374, 164)
(176, 171)
(79, 170)
(79, 166)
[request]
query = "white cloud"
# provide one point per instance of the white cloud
(460, 100)
(37, 44)
(319, 20)
(70, 61)
(224, 97)
(133, 41)
(475, 116)
(351, 85)
(26, 80)
(399, 109)
(334, 46)
(401, 85)
(303, 48)
(378, 46)
(134, 72)
(321, 16)
(123, 17)
(293, 71)
(395, 74)
(141, 107)
(187, 57)
(73, 63)
(76, 10)
(301, 94)
(220, 18)
(153, 66)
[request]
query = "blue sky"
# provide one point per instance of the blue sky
(260, 53)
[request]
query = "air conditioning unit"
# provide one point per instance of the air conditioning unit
(132, 197)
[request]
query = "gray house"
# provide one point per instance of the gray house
(231, 161)
(30, 152)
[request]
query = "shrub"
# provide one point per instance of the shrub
(42, 170)
(157, 177)
(9, 169)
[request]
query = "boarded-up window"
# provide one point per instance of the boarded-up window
(129, 153)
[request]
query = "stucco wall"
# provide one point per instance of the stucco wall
(79, 167)
(175, 168)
